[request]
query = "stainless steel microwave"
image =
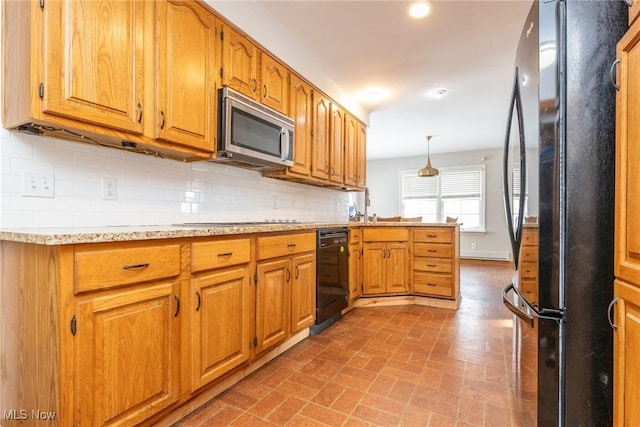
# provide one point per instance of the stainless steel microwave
(252, 135)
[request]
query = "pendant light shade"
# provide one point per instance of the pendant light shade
(428, 170)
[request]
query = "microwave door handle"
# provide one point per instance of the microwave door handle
(284, 143)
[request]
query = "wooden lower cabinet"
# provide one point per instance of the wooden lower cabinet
(355, 271)
(386, 268)
(126, 354)
(221, 323)
(626, 350)
(285, 287)
(436, 258)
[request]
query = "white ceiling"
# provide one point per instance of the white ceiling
(465, 47)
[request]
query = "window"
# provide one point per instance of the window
(455, 192)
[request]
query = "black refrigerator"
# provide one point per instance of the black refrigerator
(562, 111)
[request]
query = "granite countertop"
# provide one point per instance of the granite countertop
(73, 235)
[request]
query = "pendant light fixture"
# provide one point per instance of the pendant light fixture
(428, 170)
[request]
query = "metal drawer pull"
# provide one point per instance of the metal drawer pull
(226, 254)
(432, 250)
(135, 266)
(431, 284)
(609, 311)
(432, 235)
(432, 265)
(291, 245)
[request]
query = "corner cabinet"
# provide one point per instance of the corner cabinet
(385, 252)
(627, 232)
(284, 261)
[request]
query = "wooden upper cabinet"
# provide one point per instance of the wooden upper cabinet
(627, 224)
(274, 78)
(94, 61)
(301, 107)
(186, 65)
(634, 11)
(336, 144)
(239, 62)
(350, 151)
(361, 157)
(320, 146)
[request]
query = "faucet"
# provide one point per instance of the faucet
(367, 203)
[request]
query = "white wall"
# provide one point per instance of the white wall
(383, 180)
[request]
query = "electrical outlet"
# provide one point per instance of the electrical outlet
(38, 185)
(109, 188)
(474, 245)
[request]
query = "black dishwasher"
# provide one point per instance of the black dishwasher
(332, 277)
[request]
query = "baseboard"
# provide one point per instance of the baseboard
(476, 254)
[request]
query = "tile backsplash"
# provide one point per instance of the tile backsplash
(149, 190)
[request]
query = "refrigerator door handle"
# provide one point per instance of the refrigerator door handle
(515, 234)
(515, 309)
(532, 312)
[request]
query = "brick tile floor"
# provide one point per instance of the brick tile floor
(398, 366)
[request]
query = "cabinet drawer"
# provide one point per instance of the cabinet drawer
(433, 284)
(529, 254)
(220, 253)
(107, 266)
(438, 250)
(530, 237)
(285, 244)
(436, 265)
(354, 235)
(385, 234)
(529, 270)
(433, 235)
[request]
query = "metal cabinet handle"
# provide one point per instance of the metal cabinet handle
(198, 306)
(135, 266)
(140, 113)
(163, 119)
(288, 274)
(612, 72)
(177, 306)
(254, 85)
(297, 272)
(610, 311)
(264, 91)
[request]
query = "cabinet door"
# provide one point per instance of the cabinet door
(627, 224)
(303, 292)
(350, 151)
(221, 324)
(186, 66)
(397, 267)
(355, 256)
(374, 275)
(275, 84)
(336, 145)
(626, 361)
(361, 160)
(95, 61)
(127, 354)
(273, 303)
(239, 63)
(301, 107)
(320, 153)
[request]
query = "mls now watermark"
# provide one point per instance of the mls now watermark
(23, 414)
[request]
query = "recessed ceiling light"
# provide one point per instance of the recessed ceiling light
(438, 93)
(373, 94)
(420, 9)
